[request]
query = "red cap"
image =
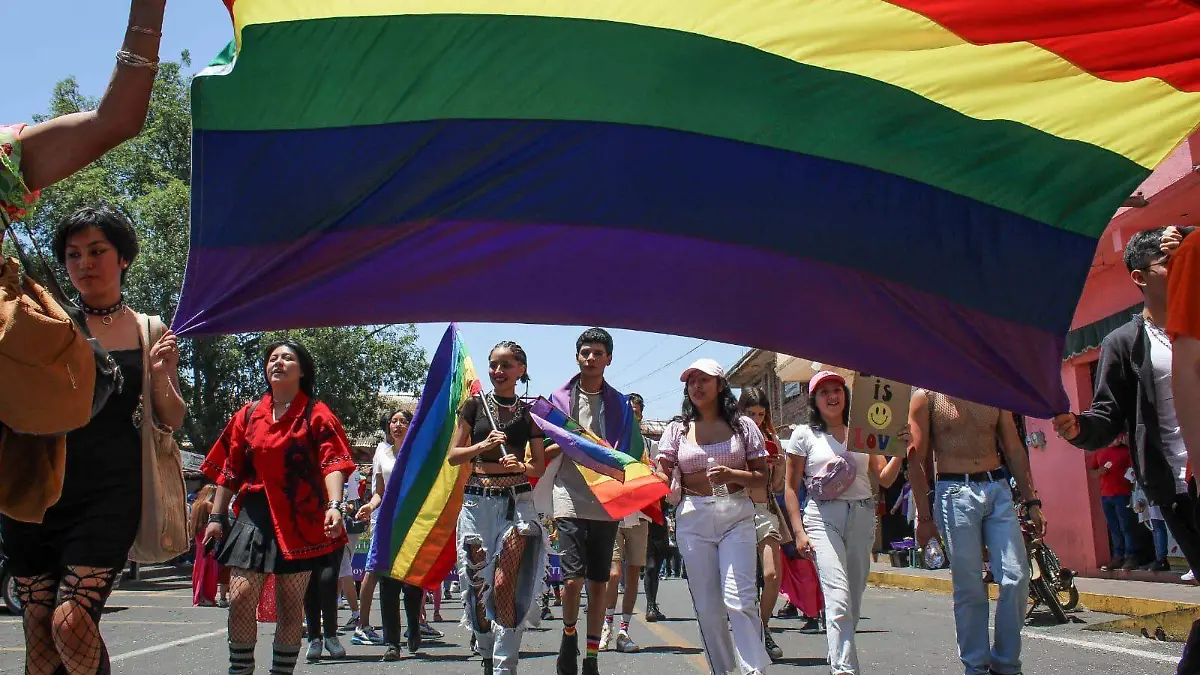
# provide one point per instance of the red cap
(824, 376)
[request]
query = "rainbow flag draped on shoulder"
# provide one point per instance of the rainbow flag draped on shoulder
(619, 477)
(413, 539)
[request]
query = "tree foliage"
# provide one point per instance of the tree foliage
(148, 178)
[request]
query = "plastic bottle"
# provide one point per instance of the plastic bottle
(935, 558)
(721, 489)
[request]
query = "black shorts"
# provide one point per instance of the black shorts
(585, 547)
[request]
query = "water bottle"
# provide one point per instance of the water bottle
(935, 558)
(721, 489)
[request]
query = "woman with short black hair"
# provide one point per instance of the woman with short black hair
(65, 566)
(286, 456)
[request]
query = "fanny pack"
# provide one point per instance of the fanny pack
(833, 479)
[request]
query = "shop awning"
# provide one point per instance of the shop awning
(1090, 336)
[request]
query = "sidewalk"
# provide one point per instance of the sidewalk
(1112, 596)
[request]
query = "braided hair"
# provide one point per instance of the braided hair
(518, 353)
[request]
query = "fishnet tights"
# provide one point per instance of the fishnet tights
(62, 619)
(246, 587)
(508, 570)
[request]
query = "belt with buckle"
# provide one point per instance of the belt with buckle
(994, 475)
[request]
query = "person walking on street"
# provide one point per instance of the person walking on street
(629, 558)
(719, 454)
(837, 527)
(286, 456)
(586, 533)
(1135, 395)
(500, 543)
(973, 508)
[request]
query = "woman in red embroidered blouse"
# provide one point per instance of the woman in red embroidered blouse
(286, 456)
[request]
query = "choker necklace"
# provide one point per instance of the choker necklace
(589, 393)
(107, 313)
(500, 401)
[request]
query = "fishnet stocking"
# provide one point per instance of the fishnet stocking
(245, 587)
(37, 596)
(82, 592)
(289, 607)
(477, 560)
(508, 570)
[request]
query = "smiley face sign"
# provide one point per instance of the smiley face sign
(878, 411)
(879, 415)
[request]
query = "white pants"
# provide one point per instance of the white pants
(841, 533)
(719, 546)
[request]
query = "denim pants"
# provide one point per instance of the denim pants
(841, 532)
(969, 516)
(1161, 542)
(485, 521)
(1121, 521)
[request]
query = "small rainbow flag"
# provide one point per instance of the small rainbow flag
(619, 478)
(413, 540)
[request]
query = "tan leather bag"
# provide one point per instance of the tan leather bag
(162, 532)
(31, 474)
(47, 365)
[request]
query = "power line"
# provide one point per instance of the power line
(638, 359)
(665, 365)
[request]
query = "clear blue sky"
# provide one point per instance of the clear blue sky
(59, 38)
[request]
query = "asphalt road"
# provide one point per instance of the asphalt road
(151, 627)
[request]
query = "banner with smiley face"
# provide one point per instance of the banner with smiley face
(878, 411)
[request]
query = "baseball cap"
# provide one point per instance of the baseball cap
(706, 366)
(823, 376)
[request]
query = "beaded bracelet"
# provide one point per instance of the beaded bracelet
(128, 58)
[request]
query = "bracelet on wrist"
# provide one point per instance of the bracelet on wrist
(1028, 503)
(218, 518)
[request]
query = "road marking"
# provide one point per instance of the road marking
(1165, 658)
(165, 646)
(673, 639)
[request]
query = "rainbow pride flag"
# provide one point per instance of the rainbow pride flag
(935, 173)
(620, 478)
(414, 537)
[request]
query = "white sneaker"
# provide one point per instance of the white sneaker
(606, 636)
(314, 649)
(454, 588)
(335, 648)
(1189, 576)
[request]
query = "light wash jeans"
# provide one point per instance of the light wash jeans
(841, 532)
(718, 541)
(969, 516)
(485, 521)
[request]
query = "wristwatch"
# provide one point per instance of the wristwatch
(334, 505)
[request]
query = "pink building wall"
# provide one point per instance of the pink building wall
(1077, 530)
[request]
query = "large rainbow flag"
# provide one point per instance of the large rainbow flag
(933, 173)
(620, 478)
(414, 535)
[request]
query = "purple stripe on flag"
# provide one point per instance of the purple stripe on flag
(821, 311)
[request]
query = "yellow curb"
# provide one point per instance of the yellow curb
(1097, 602)
(1174, 625)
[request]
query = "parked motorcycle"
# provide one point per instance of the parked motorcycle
(1050, 584)
(8, 587)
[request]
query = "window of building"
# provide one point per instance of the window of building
(791, 390)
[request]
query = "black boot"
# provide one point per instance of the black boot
(568, 655)
(591, 666)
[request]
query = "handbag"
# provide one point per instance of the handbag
(31, 474)
(65, 375)
(834, 478)
(162, 533)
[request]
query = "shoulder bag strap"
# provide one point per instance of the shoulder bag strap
(50, 280)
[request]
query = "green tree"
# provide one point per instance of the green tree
(148, 178)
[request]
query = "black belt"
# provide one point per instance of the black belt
(1000, 474)
(481, 491)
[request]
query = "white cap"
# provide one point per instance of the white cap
(706, 366)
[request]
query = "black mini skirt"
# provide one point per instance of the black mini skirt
(251, 544)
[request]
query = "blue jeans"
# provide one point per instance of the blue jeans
(969, 516)
(484, 522)
(1161, 544)
(1121, 521)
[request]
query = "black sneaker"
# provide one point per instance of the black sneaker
(414, 641)
(811, 625)
(654, 614)
(393, 653)
(1130, 564)
(568, 655)
(788, 611)
(487, 667)
(773, 650)
(591, 666)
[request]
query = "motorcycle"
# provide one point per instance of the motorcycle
(1050, 584)
(8, 587)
